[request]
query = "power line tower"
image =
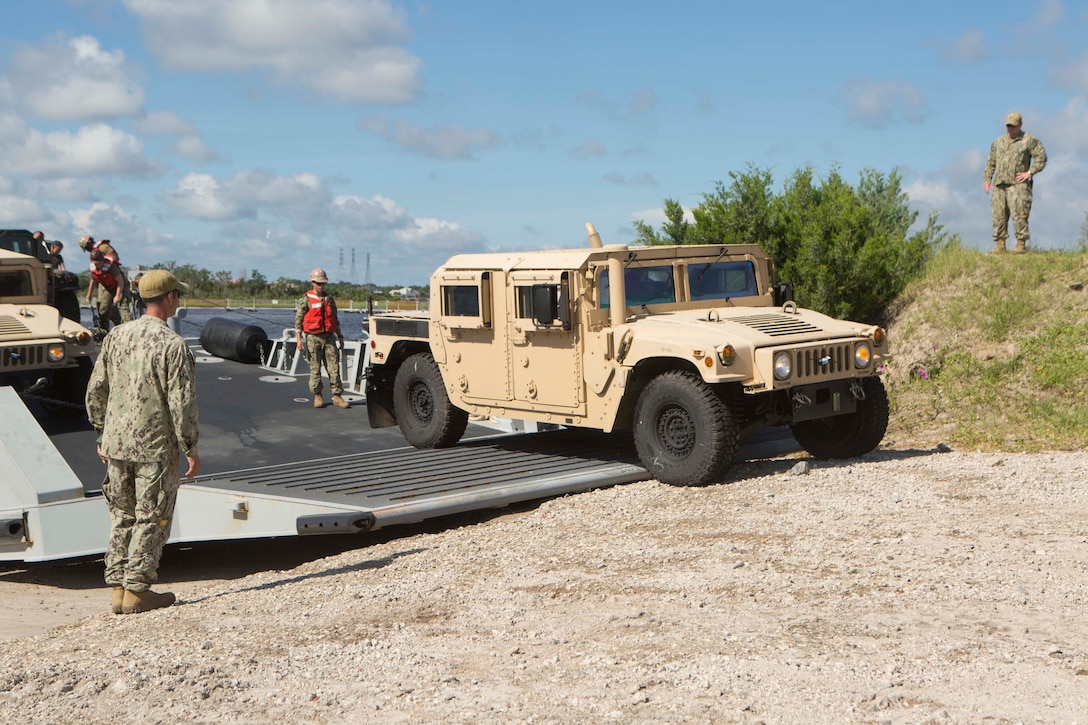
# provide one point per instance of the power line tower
(340, 268)
(354, 276)
(368, 281)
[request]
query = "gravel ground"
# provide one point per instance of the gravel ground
(907, 586)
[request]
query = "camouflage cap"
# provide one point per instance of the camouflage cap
(318, 275)
(1014, 119)
(86, 243)
(158, 282)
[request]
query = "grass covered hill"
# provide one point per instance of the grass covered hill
(991, 353)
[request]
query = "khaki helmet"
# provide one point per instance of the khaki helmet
(318, 275)
(85, 243)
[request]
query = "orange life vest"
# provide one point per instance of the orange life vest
(102, 274)
(320, 314)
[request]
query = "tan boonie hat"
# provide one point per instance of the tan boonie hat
(318, 275)
(158, 282)
(1014, 119)
(85, 243)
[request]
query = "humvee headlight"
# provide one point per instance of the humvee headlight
(727, 355)
(862, 355)
(56, 353)
(879, 337)
(783, 365)
(83, 337)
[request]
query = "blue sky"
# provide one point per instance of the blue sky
(274, 135)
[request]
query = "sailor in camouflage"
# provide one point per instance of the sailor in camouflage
(1014, 160)
(315, 314)
(142, 401)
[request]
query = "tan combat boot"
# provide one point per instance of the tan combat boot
(340, 402)
(319, 402)
(117, 599)
(1021, 247)
(136, 602)
(999, 247)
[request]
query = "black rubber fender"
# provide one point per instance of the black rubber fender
(233, 340)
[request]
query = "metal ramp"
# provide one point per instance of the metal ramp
(406, 485)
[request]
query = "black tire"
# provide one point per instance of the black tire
(850, 435)
(424, 412)
(69, 386)
(685, 434)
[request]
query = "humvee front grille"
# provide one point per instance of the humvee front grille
(777, 325)
(21, 356)
(10, 325)
(823, 362)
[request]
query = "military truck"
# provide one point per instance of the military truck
(41, 351)
(688, 348)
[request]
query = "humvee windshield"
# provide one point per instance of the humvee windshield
(15, 283)
(655, 285)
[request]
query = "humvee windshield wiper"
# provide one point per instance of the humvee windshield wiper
(707, 268)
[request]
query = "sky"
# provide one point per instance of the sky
(376, 139)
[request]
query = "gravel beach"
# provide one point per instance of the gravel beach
(907, 586)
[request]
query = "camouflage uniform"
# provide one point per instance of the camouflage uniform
(142, 400)
(1012, 198)
(321, 346)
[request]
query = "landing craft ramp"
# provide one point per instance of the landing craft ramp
(368, 491)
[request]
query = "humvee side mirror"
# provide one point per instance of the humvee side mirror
(783, 293)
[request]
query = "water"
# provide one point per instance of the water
(272, 321)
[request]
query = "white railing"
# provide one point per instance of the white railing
(344, 306)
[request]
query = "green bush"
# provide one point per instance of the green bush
(846, 249)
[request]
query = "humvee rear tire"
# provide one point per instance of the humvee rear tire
(852, 434)
(424, 412)
(685, 434)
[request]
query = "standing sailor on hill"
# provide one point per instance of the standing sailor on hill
(315, 314)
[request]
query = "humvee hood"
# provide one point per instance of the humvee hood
(757, 326)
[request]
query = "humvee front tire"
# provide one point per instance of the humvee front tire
(852, 434)
(685, 434)
(66, 396)
(424, 412)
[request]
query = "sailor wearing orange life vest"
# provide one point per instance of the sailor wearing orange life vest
(114, 299)
(315, 314)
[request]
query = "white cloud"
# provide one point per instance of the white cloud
(94, 150)
(1073, 75)
(644, 179)
(444, 142)
(200, 196)
(588, 149)
(1067, 131)
(193, 148)
(968, 48)
(71, 80)
(879, 104)
(162, 123)
(639, 103)
(349, 49)
(188, 143)
(656, 217)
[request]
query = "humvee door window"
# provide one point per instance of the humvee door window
(724, 279)
(644, 286)
(461, 301)
(16, 283)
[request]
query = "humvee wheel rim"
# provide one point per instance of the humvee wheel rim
(421, 401)
(676, 431)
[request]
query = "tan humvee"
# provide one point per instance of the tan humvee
(41, 352)
(688, 346)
